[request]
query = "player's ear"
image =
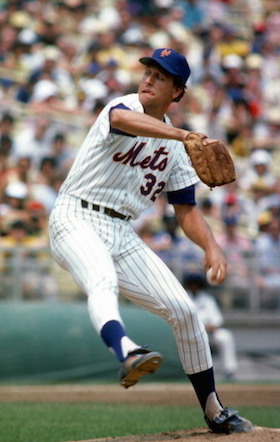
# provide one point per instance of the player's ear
(178, 93)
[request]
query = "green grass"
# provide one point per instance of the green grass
(59, 422)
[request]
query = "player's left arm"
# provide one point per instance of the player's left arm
(197, 230)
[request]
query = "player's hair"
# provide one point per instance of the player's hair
(178, 83)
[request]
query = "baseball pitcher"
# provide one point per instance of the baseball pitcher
(131, 154)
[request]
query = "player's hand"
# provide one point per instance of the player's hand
(215, 259)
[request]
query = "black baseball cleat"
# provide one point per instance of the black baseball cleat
(137, 364)
(229, 422)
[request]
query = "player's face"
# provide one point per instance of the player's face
(156, 91)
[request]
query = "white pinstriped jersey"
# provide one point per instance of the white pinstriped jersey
(126, 173)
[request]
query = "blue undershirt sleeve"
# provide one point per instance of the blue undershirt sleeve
(117, 131)
(182, 196)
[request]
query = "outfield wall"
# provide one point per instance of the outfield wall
(56, 342)
(51, 342)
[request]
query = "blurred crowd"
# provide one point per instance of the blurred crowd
(62, 61)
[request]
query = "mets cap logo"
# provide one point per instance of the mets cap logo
(165, 52)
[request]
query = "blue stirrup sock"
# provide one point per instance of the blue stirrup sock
(204, 384)
(112, 333)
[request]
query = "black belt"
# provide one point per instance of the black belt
(106, 210)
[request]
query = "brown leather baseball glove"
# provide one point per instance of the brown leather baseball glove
(210, 159)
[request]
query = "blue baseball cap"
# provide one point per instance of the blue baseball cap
(171, 61)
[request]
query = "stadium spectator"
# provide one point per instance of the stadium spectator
(221, 339)
(12, 206)
(33, 140)
(7, 124)
(268, 261)
(23, 255)
(62, 152)
(238, 249)
(259, 171)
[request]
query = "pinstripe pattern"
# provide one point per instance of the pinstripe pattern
(104, 255)
(145, 280)
(97, 177)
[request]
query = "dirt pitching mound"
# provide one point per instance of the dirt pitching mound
(260, 434)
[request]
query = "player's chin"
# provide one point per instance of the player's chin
(146, 98)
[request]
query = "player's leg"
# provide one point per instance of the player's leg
(77, 246)
(80, 250)
(223, 339)
(146, 281)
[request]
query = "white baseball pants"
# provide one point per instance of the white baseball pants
(106, 257)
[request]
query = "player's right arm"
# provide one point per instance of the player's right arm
(197, 230)
(143, 125)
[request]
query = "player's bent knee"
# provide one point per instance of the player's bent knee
(187, 313)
